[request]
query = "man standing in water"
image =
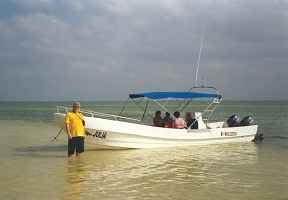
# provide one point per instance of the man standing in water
(75, 129)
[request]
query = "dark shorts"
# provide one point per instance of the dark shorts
(75, 144)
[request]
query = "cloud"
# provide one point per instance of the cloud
(91, 50)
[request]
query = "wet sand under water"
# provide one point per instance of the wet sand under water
(32, 169)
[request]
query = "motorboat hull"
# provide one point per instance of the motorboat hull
(114, 134)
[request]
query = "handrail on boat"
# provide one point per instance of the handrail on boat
(93, 113)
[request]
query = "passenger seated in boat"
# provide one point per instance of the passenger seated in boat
(191, 122)
(178, 121)
(157, 120)
(168, 121)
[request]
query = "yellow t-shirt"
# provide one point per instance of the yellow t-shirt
(74, 120)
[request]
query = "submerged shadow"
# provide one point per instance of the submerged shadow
(41, 148)
(43, 151)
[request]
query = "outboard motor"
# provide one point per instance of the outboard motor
(233, 121)
(247, 121)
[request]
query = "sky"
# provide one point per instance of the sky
(53, 50)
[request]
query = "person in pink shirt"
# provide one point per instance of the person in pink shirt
(178, 121)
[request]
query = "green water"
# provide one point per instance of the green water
(33, 168)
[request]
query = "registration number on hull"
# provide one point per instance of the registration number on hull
(228, 133)
(99, 134)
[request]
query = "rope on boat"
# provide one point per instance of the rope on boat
(55, 138)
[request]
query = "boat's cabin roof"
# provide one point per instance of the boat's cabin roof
(175, 95)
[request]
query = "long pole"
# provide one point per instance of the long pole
(199, 56)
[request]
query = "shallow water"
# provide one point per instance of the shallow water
(33, 168)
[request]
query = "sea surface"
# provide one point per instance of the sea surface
(33, 167)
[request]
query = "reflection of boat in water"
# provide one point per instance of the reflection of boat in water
(119, 132)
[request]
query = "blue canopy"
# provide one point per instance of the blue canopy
(175, 95)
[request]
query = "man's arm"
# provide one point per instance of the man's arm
(68, 131)
(67, 126)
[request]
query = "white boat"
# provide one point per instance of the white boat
(118, 132)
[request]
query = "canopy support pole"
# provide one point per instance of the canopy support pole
(184, 106)
(123, 107)
(210, 109)
(145, 110)
(159, 104)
